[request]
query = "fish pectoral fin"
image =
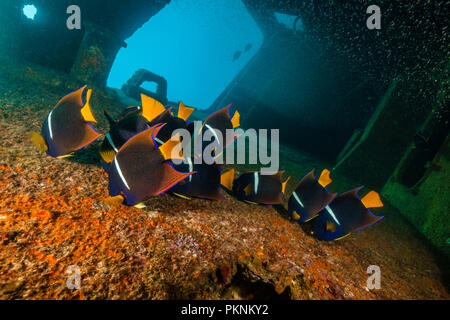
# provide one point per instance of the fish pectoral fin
(295, 215)
(331, 226)
(38, 141)
(324, 178)
(227, 178)
(172, 148)
(372, 200)
(151, 108)
(86, 111)
(235, 120)
(115, 201)
(183, 111)
(107, 155)
(248, 190)
(283, 185)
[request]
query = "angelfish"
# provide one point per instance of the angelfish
(345, 214)
(67, 128)
(173, 122)
(130, 122)
(204, 183)
(220, 121)
(140, 169)
(256, 188)
(136, 119)
(310, 196)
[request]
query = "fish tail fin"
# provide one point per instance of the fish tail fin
(283, 185)
(324, 178)
(372, 200)
(107, 155)
(151, 108)
(38, 141)
(86, 111)
(235, 120)
(227, 178)
(183, 111)
(172, 148)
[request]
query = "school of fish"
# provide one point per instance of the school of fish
(138, 154)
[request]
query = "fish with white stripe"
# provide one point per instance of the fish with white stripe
(67, 128)
(347, 213)
(310, 196)
(256, 188)
(141, 169)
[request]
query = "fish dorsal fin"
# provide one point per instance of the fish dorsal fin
(283, 185)
(224, 112)
(248, 189)
(74, 98)
(38, 141)
(171, 149)
(372, 200)
(324, 178)
(183, 111)
(227, 178)
(352, 193)
(279, 175)
(308, 178)
(145, 136)
(235, 120)
(151, 108)
(86, 111)
(166, 116)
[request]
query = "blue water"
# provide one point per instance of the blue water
(191, 44)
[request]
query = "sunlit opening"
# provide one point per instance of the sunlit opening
(150, 86)
(197, 46)
(29, 11)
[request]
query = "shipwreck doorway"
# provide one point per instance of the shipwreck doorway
(198, 47)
